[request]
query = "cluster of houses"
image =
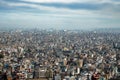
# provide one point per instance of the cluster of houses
(59, 55)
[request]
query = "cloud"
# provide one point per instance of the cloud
(72, 1)
(54, 5)
(82, 9)
(54, 1)
(61, 8)
(115, 0)
(59, 12)
(75, 6)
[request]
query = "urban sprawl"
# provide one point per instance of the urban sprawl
(59, 55)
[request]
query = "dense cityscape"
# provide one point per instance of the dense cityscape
(59, 39)
(59, 55)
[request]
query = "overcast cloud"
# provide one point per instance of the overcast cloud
(60, 14)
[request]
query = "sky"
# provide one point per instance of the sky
(60, 14)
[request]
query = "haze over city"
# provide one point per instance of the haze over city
(60, 14)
